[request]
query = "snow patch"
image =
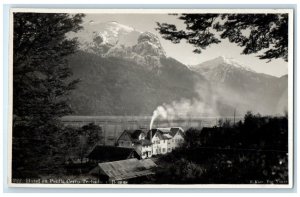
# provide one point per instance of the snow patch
(235, 63)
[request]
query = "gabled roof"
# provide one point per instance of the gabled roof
(167, 136)
(133, 134)
(164, 130)
(154, 131)
(125, 169)
(174, 130)
(128, 132)
(171, 131)
(136, 134)
(111, 153)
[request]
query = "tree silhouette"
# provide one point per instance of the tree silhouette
(252, 151)
(266, 33)
(41, 81)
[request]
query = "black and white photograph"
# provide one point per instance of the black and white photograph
(151, 98)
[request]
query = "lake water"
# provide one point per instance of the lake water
(113, 126)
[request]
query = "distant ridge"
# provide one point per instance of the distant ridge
(124, 71)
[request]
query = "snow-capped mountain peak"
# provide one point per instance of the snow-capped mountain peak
(116, 33)
(106, 33)
(112, 39)
(232, 62)
(221, 61)
(221, 68)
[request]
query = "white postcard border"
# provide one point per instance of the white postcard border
(291, 81)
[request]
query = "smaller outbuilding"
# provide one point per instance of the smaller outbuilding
(111, 153)
(124, 171)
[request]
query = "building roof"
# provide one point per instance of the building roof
(133, 134)
(164, 130)
(168, 130)
(111, 153)
(174, 130)
(125, 169)
(154, 131)
(136, 134)
(167, 136)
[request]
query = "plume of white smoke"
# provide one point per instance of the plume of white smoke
(183, 109)
(205, 104)
(215, 99)
(202, 106)
(188, 108)
(160, 111)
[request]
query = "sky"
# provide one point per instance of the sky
(183, 51)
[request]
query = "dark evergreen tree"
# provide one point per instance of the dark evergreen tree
(252, 151)
(41, 83)
(254, 32)
(89, 136)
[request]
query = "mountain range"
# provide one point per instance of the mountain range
(124, 71)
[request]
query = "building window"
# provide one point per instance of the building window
(163, 150)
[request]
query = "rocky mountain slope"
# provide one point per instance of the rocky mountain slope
(112, 39)
(115, 86)
(124, 71)
(242, 88)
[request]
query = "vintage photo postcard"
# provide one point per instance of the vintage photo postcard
(134, 98)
